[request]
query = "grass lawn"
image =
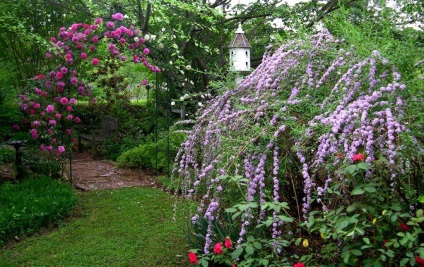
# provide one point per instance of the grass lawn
(124, 227)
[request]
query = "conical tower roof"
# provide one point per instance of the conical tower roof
(240, 40)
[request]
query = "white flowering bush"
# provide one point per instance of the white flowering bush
(306, 154)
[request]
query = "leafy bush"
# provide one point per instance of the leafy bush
(144, 155)
(33, 203)
(7, 155)
(317, 127)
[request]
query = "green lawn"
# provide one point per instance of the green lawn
(125, 227)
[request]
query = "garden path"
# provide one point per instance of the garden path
(90, 174)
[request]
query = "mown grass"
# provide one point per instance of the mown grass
(124, 227)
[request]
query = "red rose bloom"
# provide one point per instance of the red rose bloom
(228, 243)
(339, 155)
(358, 157)
(299, 264)
(192, 258)
(419, 261)
(217, 249)
(403, 226)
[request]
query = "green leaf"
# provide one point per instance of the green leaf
(352, 207)
(231, 210)
(236, 254)
(257, 245)
(370, 189)
(419, 213)
(366, 240)
(357, 191)
(421, 199)
(403, 261)
(298, 241)
(351, 169)
(363, 166)
(250, 250)
(356, 252)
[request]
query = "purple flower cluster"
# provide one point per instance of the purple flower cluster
(306, 110)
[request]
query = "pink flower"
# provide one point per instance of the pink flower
(358, 157)
(122, 41)
(92, 48)
(44, 94)
(64, 101)
(69, 108)
(95, 39)
(50, 108)
(39, 77)
(74, 80)
(48, 55)
(192, 258)
(70, 117)
(58, 115)
(83, 55)
(53, 39)
(95, 61)
(146, 51)
(299, 264)
(98, 21)
(52, 122)
(54, 140)
(228, 243)
(61, 149)
(74, 140)
(144, 82)
(77, 120)
(68, 131)
(59, 75)
(15, 127)
(64, 70)
(110, 24)
(73, 101)
(117, 16)
(217, 249)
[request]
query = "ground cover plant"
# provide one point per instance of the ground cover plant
(308, 161)
(123, 227)
(35, 202)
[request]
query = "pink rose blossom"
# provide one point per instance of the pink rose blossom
(64, 101)
(95, 61)
(61, 149)
(50, 108)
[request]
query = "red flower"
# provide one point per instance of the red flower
(39, 77)
(192, 258)
(228, 243)
(339, 155)
(419, 261)
(403, 226)
(358, 157)
(299, 264)
(217, 249)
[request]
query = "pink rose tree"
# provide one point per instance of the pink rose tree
(50, 109)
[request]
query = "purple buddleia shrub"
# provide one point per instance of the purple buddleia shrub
(307, 110)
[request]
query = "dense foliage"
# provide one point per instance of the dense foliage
(312, 145)
(35, 202)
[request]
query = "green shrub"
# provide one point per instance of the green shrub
(33, 203)
(144, 155)
(7, 155)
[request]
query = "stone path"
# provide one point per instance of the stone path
(89, 174)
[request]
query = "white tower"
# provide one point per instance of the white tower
(240, 54)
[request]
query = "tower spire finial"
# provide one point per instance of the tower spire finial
(240, 29)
